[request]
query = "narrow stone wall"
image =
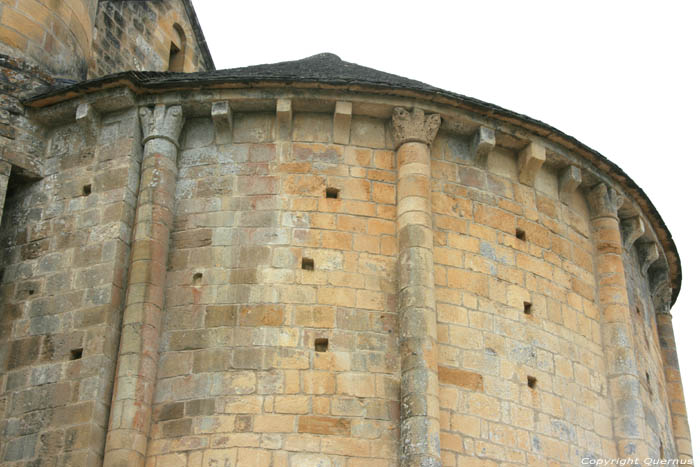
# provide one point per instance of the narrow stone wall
(65, 243)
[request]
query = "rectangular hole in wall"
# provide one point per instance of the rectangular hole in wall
(76, 354)
(197, 278)
(321, 344)
(520, 234)
(531, 382)
(332, 193)
(307, 264)
(527, 308)
(87, 189)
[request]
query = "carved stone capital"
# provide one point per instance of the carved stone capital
(414, 126)
(164, 122)
(604, 201)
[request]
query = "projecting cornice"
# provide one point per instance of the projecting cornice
(354, 85)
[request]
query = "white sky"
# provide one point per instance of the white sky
(620, 76)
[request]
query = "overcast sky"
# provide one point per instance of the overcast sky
(620, 76)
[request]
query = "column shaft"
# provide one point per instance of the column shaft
(674, 386)
(420, 424)
(623, 377)
(130, 417)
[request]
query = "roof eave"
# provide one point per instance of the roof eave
(149, 82)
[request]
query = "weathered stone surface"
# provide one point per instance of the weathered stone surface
(288, 290)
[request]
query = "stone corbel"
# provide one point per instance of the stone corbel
(342, 117)
(604, 201)
(569, 180)
(414, 127)
(482, 143)
(223, 122)
(632, 229)
(284, 119)
(530, 161)
(648, 254)
(162, 122)
(89, 120)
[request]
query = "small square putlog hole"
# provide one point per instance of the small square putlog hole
(76, 354)
(87, 189)
(531, 382)
(520, 234)
(197, 278)
(527, 308)
(321, 344)
(307, 264)
(332, 193)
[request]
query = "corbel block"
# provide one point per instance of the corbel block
(284, 119)
(341, 122)
(88, 119)
(569, 180)
(483, 142)
(223, 122)
(530, 161)
(632, 229)
(648, 253)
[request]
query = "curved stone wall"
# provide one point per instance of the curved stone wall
(322, 277)
(56, 36)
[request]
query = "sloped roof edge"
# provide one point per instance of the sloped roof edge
(199, 35)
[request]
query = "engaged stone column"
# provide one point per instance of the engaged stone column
(5, 168)
(623, 377)
(674, 385)
(130, 418)
(420, 424)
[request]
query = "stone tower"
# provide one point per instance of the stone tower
(314, 263)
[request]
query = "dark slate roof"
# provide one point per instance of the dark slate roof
(329, 69)
(324, 67)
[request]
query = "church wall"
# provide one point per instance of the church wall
(132, 35)
(654, 397)
(274, 337)
(510, 309)
(65, 244)
(261, 359)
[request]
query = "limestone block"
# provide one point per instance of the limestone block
(530, 161)
(342, 118)
(284, 119)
